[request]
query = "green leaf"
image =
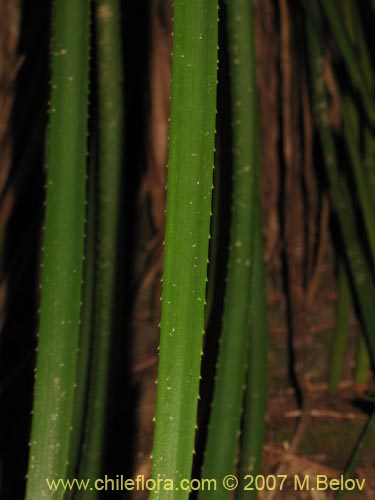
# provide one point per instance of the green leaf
(190, 171)
(62, 265)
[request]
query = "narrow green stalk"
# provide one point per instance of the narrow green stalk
(352, 124)
(222, 441)
(350, 120)
(63, 249)
(362, 368)
(334, 17)
(190, 170)
(86, 326)
(368, 72)
(365, 437)
(353, 135)
(341, 332)
(110, 147)
(356, 32)
(369, 160)
(254, 423)
(360, 270)
(347, 10)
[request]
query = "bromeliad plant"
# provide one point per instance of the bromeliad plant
(191, 150)
(81, 233)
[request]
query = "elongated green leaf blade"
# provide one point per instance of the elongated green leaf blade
(63, 249)
(190, 170)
